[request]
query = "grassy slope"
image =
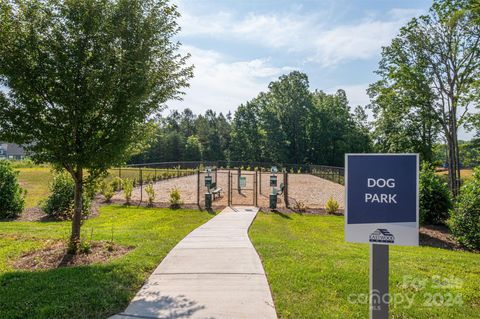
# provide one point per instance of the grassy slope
(94, 291)
(311, 271)
(35, 181)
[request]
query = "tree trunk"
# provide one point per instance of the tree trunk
(77, 215)
(450, 160)
(456, 163)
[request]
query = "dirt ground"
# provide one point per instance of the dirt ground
(54, 255)
(310, 190)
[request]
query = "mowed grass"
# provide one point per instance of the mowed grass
(95, 291)
(313, 273)
(464, 173)
(35, 180)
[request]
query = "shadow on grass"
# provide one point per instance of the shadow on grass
(279, 213)
(95, 291)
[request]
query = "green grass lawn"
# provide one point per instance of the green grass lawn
(35, 180)
(312, 272)
(94, 291)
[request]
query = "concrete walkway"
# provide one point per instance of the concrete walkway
(214, 272)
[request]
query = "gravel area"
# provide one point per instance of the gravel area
(310, 190)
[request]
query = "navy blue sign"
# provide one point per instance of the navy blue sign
(381, 188)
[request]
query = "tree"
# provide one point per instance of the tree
(193, 149)
(291, 99)
(444, 48)
(403, 120)
(82, 76)
(246, 139)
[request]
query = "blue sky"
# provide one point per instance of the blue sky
(238, 47)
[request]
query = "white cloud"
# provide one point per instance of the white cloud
(221, 84)
(307, 33)
(353, 42)
(211, 24)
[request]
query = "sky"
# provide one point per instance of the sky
(239, 47)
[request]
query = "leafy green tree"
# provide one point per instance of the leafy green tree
(82, 76)
(246, 139)
(193, 149)
(174, 146)
(403, 121)
(291, 100)
(437, 56)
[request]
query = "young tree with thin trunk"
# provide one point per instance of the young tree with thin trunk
(82, 77)
(445, 47)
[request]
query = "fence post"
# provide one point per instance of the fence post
(256, 189)
(155, 174)
(141, 186)
(238, 179)
(229, 201)
(198, 187)
(285, 191)
(260, 182)
(120, 172)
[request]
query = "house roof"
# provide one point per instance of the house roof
(13, 149)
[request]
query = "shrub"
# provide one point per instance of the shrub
(465, 217)
(150, 193)
(435, 198)
(331, 206)
(128, 189)
(117, 184)
(11, 194)
(106, 189)
(175, 202)
(300, 206)
(60, 203)
(92, 187)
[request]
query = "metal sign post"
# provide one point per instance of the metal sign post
(379, 281)
(381, 208)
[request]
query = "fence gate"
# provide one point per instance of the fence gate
(242, 188)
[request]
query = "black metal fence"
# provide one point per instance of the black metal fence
(332, 173)
(189, 179)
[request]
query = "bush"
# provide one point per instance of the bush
(331, 207)
(128, 189)
(150, 193)
(300, 206)
(11, 194)
(465, 217)
(106, 189)
(435, 197)
(117, 184)
(60, 204)
(175, 202)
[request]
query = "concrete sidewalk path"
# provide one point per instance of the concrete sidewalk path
(214, 272)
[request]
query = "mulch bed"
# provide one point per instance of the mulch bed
(438, 237)
(54, 255)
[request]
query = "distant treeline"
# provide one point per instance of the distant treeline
(289, 123)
